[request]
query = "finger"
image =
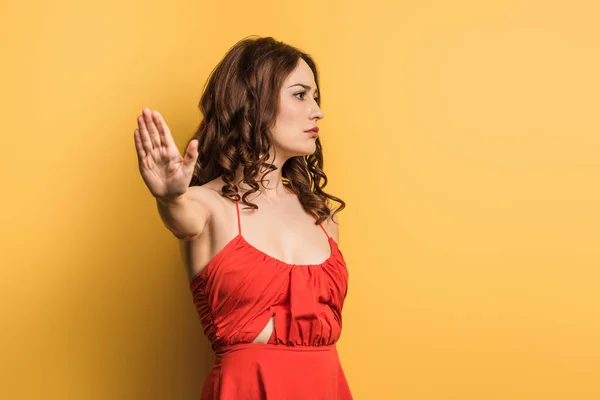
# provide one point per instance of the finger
(153, 132)
(191, 155)
(141, 153)
(163, 130)
(145, 137)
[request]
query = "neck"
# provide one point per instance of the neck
(270, 188)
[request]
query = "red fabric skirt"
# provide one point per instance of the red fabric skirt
(264, 371)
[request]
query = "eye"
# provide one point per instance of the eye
(316, 98)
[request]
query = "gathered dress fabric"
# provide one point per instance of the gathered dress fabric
(236, 295)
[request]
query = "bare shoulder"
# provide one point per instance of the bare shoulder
(332, 225)
(203, 197)
(209, 196)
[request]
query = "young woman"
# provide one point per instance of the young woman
(268, 280)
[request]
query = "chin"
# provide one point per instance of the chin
(310, 150)
(301, 151)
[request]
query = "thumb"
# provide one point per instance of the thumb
(190, 156)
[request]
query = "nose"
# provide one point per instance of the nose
(316, 112)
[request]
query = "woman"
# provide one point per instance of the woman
(268, 280)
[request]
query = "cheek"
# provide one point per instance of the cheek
(288, 112)
(288, 118)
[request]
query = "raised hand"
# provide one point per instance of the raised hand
(164, 171)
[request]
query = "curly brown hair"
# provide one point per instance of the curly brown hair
(240, 104)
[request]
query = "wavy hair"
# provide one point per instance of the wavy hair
(239, 104)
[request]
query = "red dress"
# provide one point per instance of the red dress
(239, 291)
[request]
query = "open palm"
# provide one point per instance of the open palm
(166, 173)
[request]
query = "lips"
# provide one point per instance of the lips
(314, 130)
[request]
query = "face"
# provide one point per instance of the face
(298, 112)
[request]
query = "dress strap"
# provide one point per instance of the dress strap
(323, 230)
(327, 234)
(237, 207)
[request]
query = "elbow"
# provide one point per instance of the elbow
(186, 237)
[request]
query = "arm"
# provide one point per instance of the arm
(186, 215)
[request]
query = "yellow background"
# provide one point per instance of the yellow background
(463, 135)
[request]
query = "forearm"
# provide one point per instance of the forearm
(181, 215)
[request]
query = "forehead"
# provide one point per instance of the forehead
(301, 74)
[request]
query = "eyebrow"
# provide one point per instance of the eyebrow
(304, 86)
